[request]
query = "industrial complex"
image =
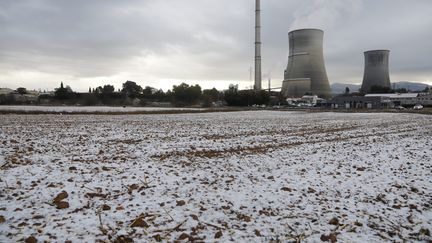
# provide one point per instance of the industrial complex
(306, 82)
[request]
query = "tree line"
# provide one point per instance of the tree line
(132, 94)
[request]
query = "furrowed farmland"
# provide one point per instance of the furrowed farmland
(257, 176)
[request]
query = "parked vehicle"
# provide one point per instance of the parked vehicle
(418, 107)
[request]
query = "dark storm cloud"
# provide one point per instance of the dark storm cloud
(153, 40)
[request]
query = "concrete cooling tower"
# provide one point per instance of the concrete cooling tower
(376, 71)
(305, 72)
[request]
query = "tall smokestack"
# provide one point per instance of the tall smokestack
(258, 76)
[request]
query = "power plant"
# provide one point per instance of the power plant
(376, 70)
(258, 76)
(305, 72)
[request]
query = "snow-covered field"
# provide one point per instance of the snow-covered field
(89, 109)
(256, 176)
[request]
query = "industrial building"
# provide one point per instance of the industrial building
(379, 101)
(359, 102)
(406, 99)
(5, 91)
(305, 101)
(376, 70)
(425, 99)
(305, 72)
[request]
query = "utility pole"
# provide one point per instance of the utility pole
(269, 85)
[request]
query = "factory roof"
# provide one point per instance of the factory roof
(394, 95)
(6, 91)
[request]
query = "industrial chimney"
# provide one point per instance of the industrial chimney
(376, 71)
(258, 76)
(305, 72)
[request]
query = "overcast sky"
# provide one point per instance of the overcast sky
(210, 42)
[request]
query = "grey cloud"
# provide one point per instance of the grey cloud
(207, 39)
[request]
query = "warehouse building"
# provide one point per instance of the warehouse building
(359, 102)
(406, 99)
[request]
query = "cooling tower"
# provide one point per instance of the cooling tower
(376, 71)
(306, 61)
(296, 87)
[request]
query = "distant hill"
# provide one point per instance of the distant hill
(339, 88)
(412, 86)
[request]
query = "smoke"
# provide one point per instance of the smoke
(324, 13)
